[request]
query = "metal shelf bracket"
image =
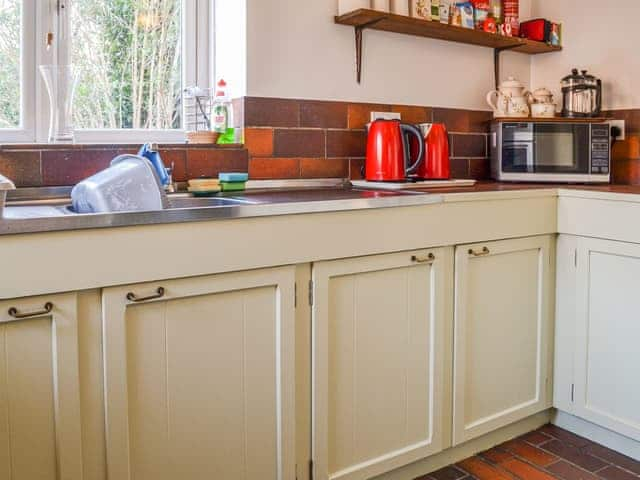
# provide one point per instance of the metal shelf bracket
(359, 29)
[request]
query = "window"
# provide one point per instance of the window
(133, 59)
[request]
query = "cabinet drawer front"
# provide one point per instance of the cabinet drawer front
(40, 431)
(200, 379)
(380, 338)
(607, 359)
(503, 315)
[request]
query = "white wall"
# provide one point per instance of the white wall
(296, 51)
(599, 36)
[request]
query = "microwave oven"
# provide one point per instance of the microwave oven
(551, 152)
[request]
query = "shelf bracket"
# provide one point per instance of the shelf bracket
(359, 29)
(496, 61)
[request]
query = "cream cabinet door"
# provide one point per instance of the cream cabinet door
(40, 426)
(199, 377)
(503, 334)
(607, 333)
(381, 331)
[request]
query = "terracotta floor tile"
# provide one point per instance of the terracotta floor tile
(447, 473)
(614, 457)
(566, 471)
(574, 455)
(616, 473)
(535, 438)
(496, 455)
(530, 453)
(525, 471)
(482, 470)
(565, 436)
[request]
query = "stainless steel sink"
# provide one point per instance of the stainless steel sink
(178, 202)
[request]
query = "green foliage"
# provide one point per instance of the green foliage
(128, 55)
(9, 63)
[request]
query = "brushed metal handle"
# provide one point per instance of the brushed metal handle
(15, 313)
(132, 297)
(483, 253)
(428, 259)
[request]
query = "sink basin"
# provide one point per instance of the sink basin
(178, 202)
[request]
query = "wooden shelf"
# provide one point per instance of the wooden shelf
(550, 120)
(375, 20)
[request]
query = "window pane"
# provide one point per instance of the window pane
(10, 40)
(128, 53)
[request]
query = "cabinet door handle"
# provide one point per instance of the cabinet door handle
(428, 259)
(483, 253)
(15, 313)
(132, 297)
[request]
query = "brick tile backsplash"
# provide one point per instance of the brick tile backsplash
(283, 138)
(323, 114)
(299, 143)
(23, 167)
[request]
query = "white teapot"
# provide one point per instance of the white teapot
(541, 95)
(510, 100)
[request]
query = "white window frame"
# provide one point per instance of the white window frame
(41, 16)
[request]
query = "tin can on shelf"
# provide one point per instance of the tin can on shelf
(421, 9)
(511, 12)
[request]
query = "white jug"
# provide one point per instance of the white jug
(510, 100)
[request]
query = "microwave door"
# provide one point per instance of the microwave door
(517, 157)
(561, 149)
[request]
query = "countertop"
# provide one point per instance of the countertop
(50, 216)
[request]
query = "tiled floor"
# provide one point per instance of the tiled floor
(549, 453)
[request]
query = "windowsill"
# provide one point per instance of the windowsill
(112, 145)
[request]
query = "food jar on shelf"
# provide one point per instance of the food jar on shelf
(347, 6)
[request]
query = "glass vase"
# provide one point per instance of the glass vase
(60, 81)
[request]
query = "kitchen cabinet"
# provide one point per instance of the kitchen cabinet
(40, 412)
(503, 333)
(381, 362)
(199, 377)
(599, 359)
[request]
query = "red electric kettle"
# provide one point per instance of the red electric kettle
(389, 152)
(436, 165)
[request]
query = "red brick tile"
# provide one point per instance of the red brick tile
(614, 457)
(530, 453)
(271, 112)
(274, 168)
(483, 471)
(469, 145)
(21, 167)
(411, 114)
(574, 454)
(460, 168)
(566, 471)
(346, 143)
(447, 473)
(480, 121)
(299, 143)
(66, 168)
(209, 163)
(535, 438)
(324, 168)
(525, 471)
(456, 120)
(356, 168)
(496, 455)
(615, 473)
(629, 148)
(480, 168)
(565, 435)
(359, 114)
(259, 141)
(323, 114)
(179, 160)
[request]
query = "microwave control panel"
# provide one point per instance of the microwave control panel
(600, 149)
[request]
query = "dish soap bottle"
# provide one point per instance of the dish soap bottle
(223, 115)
